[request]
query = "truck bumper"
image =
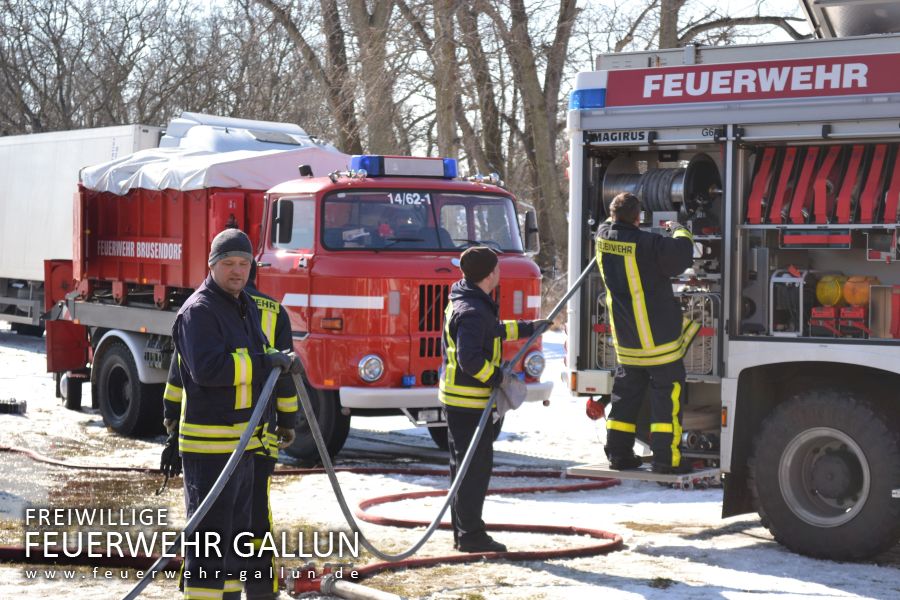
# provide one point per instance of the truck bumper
(364, 397)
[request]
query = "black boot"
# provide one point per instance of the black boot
(665, 469)
(480, 542)
(625, 462)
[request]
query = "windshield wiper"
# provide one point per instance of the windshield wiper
(488, 243)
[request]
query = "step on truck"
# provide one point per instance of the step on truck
(360, 258)
(784, 162)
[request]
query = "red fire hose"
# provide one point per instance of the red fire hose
(609, 543)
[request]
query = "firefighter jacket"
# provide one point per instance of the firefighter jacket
(472, 346)
(220, 346)
(277, 330)
(647, 326)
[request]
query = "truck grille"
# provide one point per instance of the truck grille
(432, 302)
(429, 347)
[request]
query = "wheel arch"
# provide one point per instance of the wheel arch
(762, 388)
(136, 343)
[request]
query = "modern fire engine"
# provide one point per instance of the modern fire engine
(784, 161)
(362, 260)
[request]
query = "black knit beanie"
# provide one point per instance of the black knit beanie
(230, 242)
(477, 262)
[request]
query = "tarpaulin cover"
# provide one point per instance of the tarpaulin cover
(181, 169)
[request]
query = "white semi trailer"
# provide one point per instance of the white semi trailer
(39, 175)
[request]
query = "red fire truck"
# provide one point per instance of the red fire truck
(784, 161)
(361, 259)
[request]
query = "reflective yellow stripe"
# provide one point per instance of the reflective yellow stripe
(233, 585)
(485, 373)
(498, 351)
(683, 232)
(609, 298)
(621, 426)
(626, 357)
(192, 593)
(462, 402)
(687, 328)
(172, 393)
(512, 330)
(676, 425)
(661, 428)
(286, 405)
(214, 447)
(464, 390)
(638, 302)
(193, 429)
(267, 323)
(243, 377)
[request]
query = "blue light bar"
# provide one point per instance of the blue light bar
(404, 166)
(585, 99)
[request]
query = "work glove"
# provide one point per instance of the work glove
(170, 460)
(542, 325)
(596, 409)
(286, 436)
(286, 362)
(171, 425)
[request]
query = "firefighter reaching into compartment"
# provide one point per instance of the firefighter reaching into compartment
(472, 352)
(223, 360)
(649, 332)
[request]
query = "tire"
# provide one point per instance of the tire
(335, 426)
(25, 329)
(439, 435)
(821, 473)
(128, 406)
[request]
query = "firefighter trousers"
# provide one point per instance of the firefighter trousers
(466, 508)
(261, 584)
(212, 572)
(666, 387)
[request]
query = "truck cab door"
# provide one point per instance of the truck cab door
(284, 265)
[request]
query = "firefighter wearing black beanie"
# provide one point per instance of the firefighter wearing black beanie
(472, 346)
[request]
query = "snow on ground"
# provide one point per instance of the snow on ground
(676, 546)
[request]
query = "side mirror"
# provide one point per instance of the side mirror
(283, 221)
(532, 235)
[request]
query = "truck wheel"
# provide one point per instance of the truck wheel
(821, 473)
(439, 435)
(335, 426)
(128, 406)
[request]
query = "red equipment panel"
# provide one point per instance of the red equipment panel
(762, 183)
(850, 187)
(783, 187)
(803, 191)
(826, 185)
(871, 193)
(155, 238)
(67, 346)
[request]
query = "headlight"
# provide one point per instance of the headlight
(371, 367)
(534, 363)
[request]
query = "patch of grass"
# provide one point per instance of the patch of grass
(648, 527)
(661, 583)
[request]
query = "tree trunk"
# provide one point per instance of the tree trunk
(668, 22)
(371, 31)
(445, 78)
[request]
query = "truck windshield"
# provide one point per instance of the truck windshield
(407, 219)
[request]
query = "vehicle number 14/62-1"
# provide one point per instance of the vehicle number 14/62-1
(409, 198)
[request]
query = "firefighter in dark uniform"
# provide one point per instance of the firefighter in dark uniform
(224, 360)
(279, 433)
(472, 353)
(649, 332)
